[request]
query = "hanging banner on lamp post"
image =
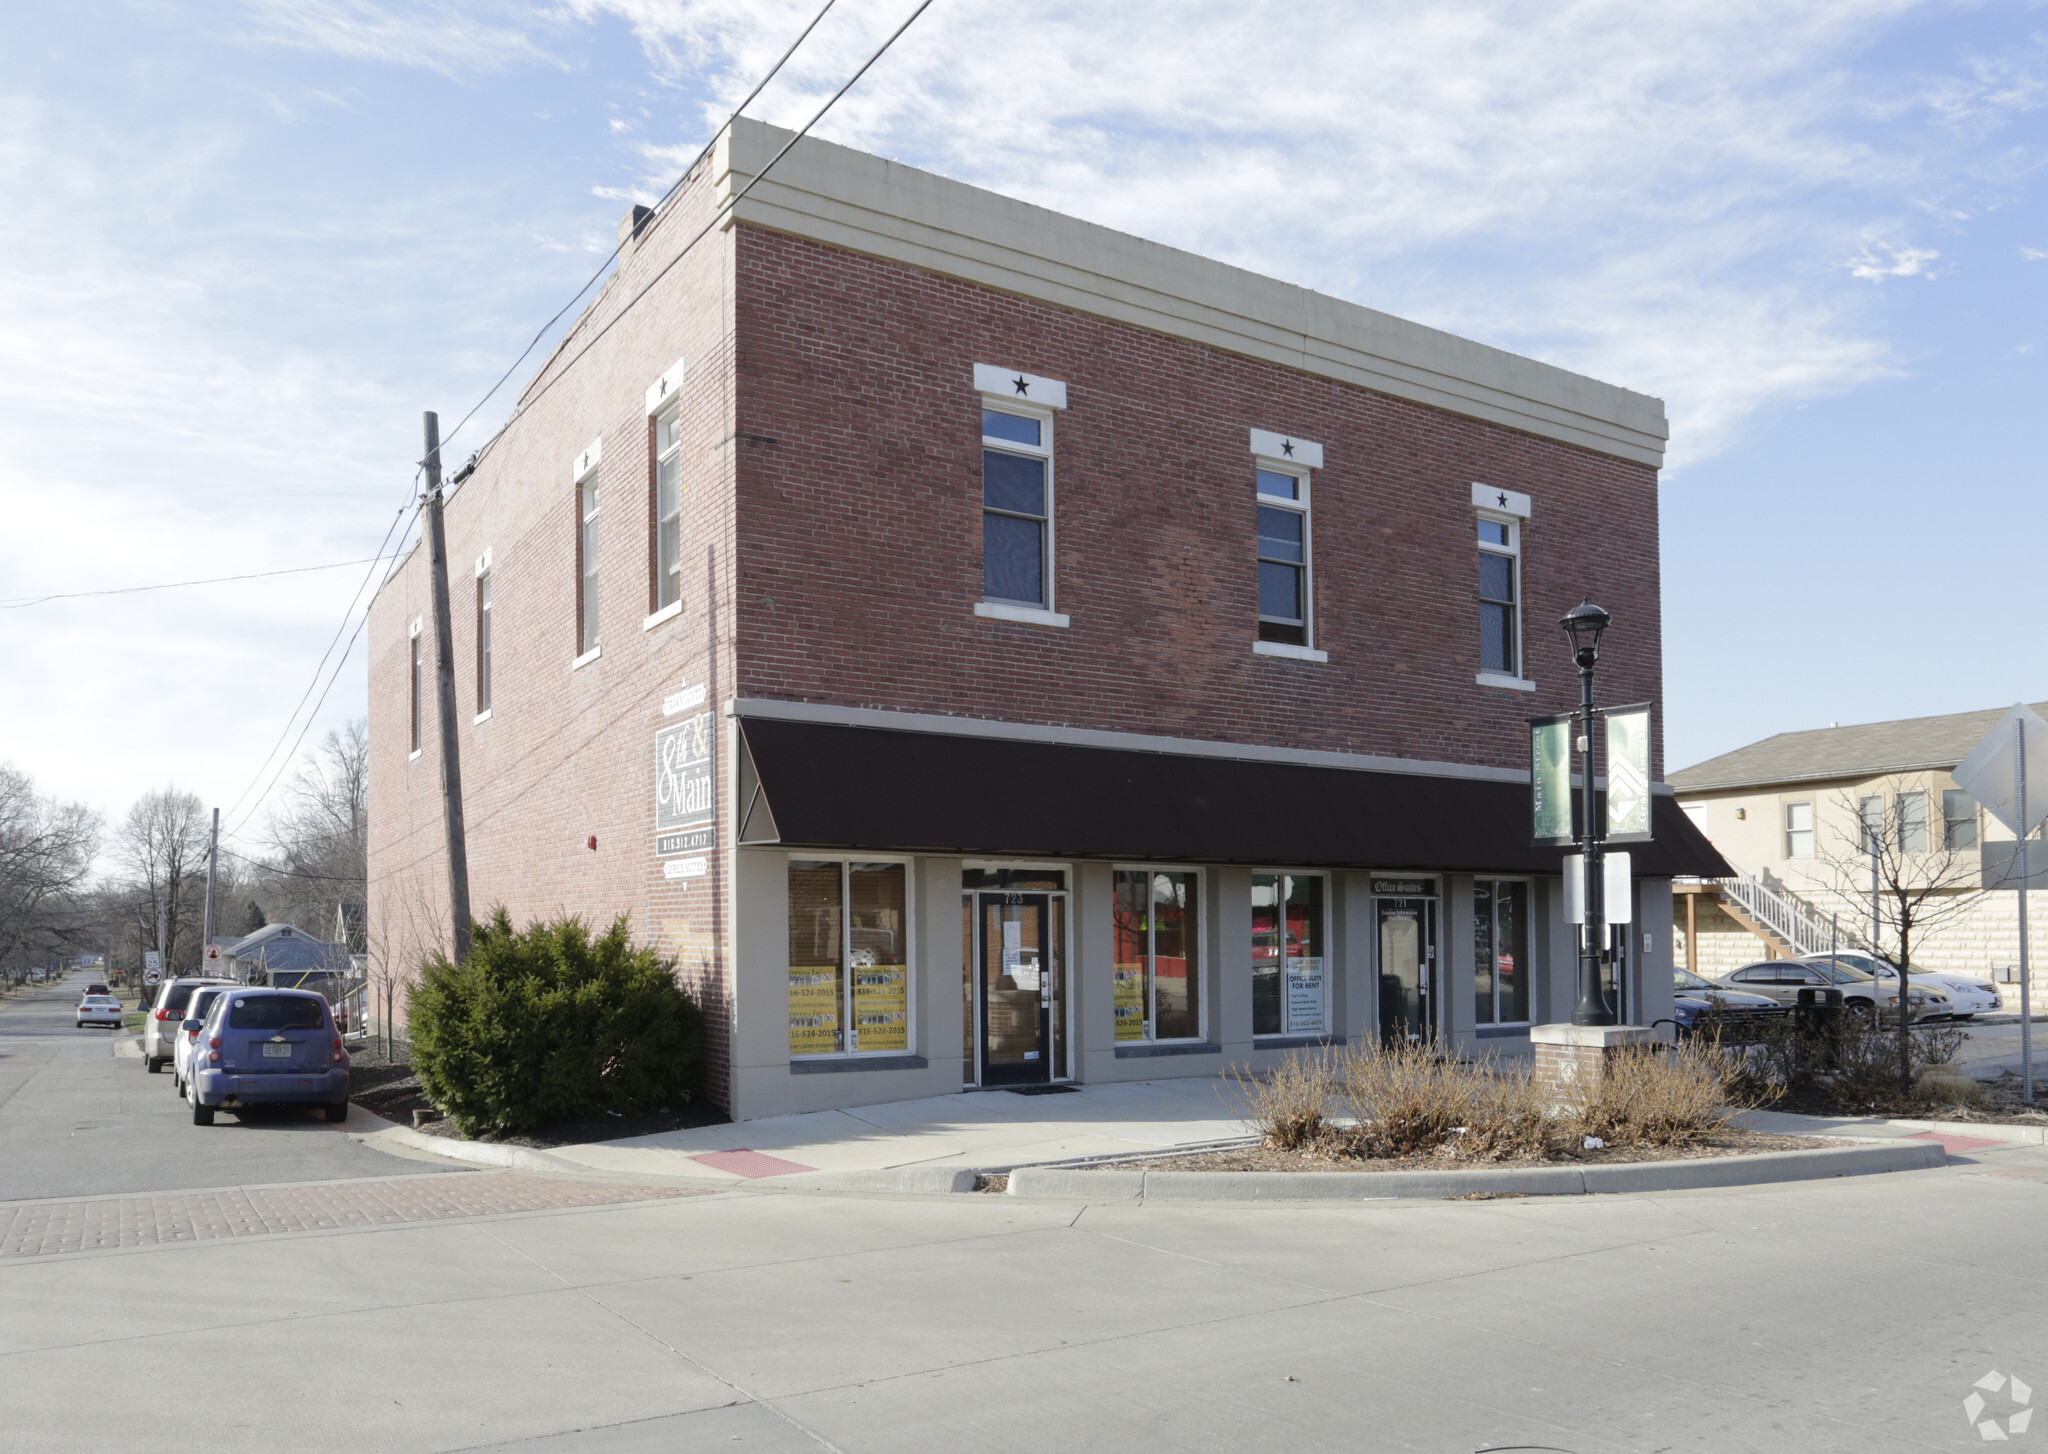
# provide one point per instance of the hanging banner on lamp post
(1550, 780)
(1628, 773)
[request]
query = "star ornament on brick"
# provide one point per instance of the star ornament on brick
(1023, 384)
(1503, 500)
(1287, 448)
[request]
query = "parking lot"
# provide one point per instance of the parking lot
(394, 1305)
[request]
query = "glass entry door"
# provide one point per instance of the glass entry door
(1019, 988)
(1408, 965)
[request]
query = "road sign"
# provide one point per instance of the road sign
(213, 954)
(1991, 773)
(2001, 867)
(152, 967)
(1616, 874)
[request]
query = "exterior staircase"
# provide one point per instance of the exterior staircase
(1787, 925)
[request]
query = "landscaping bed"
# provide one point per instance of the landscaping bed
(1731, 1141)
(386, 1085)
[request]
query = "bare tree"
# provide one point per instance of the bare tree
(46, 852)
(320, 838)
(163, 842)
(1897, 856)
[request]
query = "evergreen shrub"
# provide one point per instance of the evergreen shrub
(547, 1024)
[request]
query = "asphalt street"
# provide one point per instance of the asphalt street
(536, 1314)
(76, 1119)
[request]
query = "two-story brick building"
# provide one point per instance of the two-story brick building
(984, 648)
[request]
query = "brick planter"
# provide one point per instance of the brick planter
(1572, 1055)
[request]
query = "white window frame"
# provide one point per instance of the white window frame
(484, 640)
(419, 734)
(1202, 997)
(664, 606)
(1788, 831)
(1301, 505)
(1287, 1032)
(1045, 612)
(910, 964)
(1529, 939)
(1925, 823)
(589, 643)
(1509, 508)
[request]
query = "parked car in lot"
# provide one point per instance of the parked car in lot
(186, 1042)
(166, 1014)
(1739, 1016)
(99, 1009)
(265, 1047)
(1782, 980)
(1966, 996)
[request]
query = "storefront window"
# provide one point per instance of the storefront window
(1501, 970)
(849, 958)
(1290, 983)
(1158, 993)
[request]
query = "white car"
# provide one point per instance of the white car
(99, 1010)
(1966, 996)
(160, 1025)
(186, 1043)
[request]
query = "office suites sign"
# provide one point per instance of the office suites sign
(686, 786)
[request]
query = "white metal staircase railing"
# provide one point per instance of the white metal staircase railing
(1785, 914)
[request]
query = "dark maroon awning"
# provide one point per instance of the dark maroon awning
(818, 785)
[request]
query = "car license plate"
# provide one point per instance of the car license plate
(277, 1052)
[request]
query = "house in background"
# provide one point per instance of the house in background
(283, 953)
(982, 649)
(1790, 813)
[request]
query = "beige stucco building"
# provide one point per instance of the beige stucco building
(1789, 813)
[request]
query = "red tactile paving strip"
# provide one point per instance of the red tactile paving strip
(1955, 1144)
(750, 1164)
(203, 1216)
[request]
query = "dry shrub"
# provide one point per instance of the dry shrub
(1510, 1116)
(1289, 1105)
(1405, 1100)
(1669, 1095)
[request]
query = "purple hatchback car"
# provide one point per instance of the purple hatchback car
(268, 1048)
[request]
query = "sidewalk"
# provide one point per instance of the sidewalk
(910, 1142)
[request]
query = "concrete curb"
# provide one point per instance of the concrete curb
(1350, 1186)
(1791, 1123)
(920, 1180)
(479, 1153)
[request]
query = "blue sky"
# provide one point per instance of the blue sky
(248, 242)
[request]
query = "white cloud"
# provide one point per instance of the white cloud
(2033, 254)
(1655, 195)
(1880, 260)
(451, 38)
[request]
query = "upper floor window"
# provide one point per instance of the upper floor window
(586, 567)
(1958, 819)
(414, 708)
(1913, 835)
(1869, 823)
(483, 641)
(1284, 587)
(1500, 581)
(1016, 506)
(1799, 830)
(668, 508)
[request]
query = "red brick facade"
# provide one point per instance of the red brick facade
(831, 540)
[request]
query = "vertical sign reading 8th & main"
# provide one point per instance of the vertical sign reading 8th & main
(686, 789)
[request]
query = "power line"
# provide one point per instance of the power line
(396, 520)
(674, 187)
(717, 217)
(297, 570)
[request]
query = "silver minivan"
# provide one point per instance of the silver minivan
(160, 1025)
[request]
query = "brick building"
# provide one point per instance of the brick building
(985, 648)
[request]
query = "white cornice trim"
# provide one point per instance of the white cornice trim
(833, 194)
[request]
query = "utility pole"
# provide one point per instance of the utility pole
(2019, 754)
(444, 672)
(212, 858)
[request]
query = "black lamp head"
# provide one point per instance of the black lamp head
(1582, 627)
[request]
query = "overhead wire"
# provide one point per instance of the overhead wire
(717, 217)
(297, 570)
(724, 211)
(611, 257)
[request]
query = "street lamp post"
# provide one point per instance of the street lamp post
(1583, 625)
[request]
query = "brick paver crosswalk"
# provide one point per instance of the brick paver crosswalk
(27, 1230)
